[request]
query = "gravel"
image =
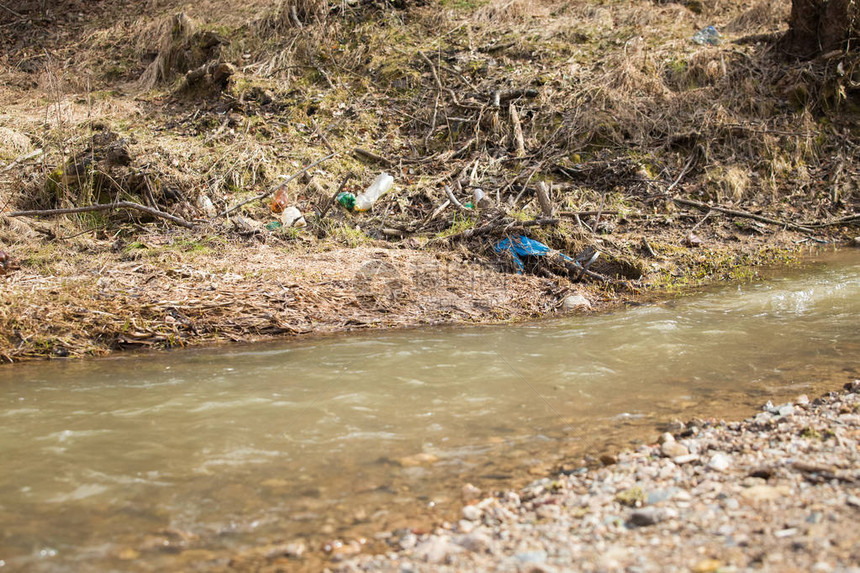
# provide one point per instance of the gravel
(777, 492)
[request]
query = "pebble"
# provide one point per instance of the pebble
(719, 462)
(436, 549)
(472, 513)
(476, 542)
(764, 492)
(470, 492)
(575, 302)
(673, 449)
(531, 556)
(757, 496)
(646, 516)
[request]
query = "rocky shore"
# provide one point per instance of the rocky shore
(776, 492)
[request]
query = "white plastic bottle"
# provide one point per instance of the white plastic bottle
(379, 186)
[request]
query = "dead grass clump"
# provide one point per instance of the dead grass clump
(501, 11)
(289, 14)
(180, 48)
(728, 182)
(762, 16)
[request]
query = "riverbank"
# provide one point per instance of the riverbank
(776, 492)
(142, 147)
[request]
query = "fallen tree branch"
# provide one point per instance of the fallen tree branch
(21, 159)
(273, 189)
(104, 207)
(846, 220)
(505, 226)
(373, 157)
(743, 214)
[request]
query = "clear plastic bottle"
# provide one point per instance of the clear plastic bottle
(379, 186)
(707, 36)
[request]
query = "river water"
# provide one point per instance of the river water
(178, 460)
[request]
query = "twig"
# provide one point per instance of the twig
(599, 212)
(104, 207)
(21, 159)
(11, 11)
(848, 219)
(333, 198)
(587, 213)
(743, 214)
(543, 199)
(322, 135)
(365, 154)
(681, 175)
(502, 224)
(273, 189)
(453, 200)
(519, 142)
(433, 215)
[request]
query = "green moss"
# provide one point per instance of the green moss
(631, 497)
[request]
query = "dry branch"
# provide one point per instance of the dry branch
(744, 214)
(104, 207)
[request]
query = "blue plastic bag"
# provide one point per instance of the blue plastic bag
(521, 246)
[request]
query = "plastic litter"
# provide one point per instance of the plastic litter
(205, 204)
(346, 200)
(280, 201)
(707, 36)
(292, 217)
(378, 188)
(522, 246)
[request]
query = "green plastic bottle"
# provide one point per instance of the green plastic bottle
(347, 200)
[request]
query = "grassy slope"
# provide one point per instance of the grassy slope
(619, 103)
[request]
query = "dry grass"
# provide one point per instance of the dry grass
(614, 101)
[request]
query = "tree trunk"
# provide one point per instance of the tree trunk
(820, 26)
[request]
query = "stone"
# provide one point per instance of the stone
(537, 556)
(436, 549)
(681, 460)
(665, 437)
(853, 501)
(646, 516)
(475, 542)
(706, 566)
(465, 526)
(472, 513)
(660, 495)
(408, 541)
(785, 410)
(608, 459)
(575, 302)
(470, 492)
(719, 462)
(765, 492)
(856, 241)
(673, 449)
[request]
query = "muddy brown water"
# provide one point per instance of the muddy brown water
(181, 460)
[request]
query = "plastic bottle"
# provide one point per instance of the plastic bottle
(379, 186)
(280, 201)
(708, 35)
(346, 200)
